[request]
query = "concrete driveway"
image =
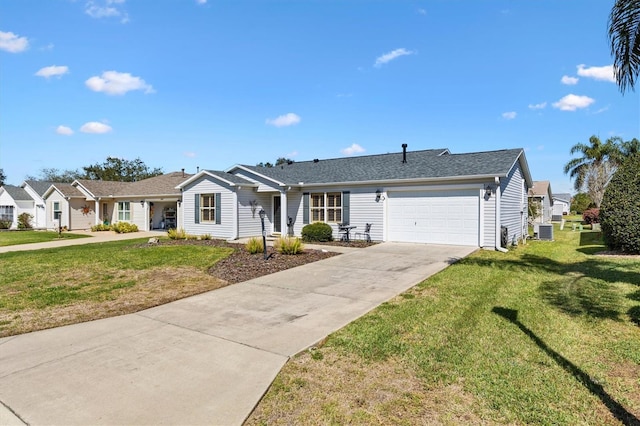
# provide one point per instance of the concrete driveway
(207, 359)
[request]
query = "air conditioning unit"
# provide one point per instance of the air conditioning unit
(545, 232)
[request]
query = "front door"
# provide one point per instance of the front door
(277, 223)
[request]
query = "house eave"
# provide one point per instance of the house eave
(400, 181)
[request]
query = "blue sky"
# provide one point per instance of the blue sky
(209, 84)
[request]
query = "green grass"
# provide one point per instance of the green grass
(93, 272)
(545, 334)
(10, 238)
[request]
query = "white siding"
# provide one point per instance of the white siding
(39, 213)
(205, 185)
(489, 234)
(139, 215)
(55, 196)
(512, 204)
(249, 224)
(7, 200)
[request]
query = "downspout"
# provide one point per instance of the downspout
(498, 221)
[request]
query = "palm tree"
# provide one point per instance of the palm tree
(624, 38)
(594, 168)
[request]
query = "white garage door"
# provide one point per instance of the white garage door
(437, 217)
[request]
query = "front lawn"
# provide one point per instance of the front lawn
(52, 287)
(10, 238)
(548, 333)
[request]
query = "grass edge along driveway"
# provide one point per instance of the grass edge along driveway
(11, 238)
(545, 334)
(53, 287)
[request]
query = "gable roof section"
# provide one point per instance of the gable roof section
(562, 197)
(163, 185)
(540, 188)
(437, 164)
(17, 193)
(66, 189)
(225, 177)
(39, 186)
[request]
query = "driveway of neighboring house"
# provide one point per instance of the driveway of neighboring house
(206, 359)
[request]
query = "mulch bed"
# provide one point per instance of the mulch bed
(242, 266)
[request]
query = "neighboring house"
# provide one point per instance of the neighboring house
(429, 196)
(36, 189)
(152, 203)
(13, 202)
(67, 206)
(561, 204)
(541, 193)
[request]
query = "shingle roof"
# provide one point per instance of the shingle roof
(159, 185)
(563, 197)
(68, 190)
(17, 193)
(427, 164)
(40, 186)
(230, 177)
(540, 187)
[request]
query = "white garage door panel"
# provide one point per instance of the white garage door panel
(437, 217)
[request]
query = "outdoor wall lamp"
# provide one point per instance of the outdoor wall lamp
(142, 203)
(488, 190)
(378, 195)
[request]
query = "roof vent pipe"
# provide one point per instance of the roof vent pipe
(197, 169)
(182, 172)
(404, 152)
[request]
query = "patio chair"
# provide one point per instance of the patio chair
(365, 235)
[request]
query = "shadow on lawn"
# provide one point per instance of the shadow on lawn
(617, 409)
(584, 288)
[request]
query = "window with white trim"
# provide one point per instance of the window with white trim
(57, 212)
(326, 207)
(124, 210)
(208, 208)
(6, 213)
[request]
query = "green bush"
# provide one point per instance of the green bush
(254, 245)
(5, 224)
(205, 237)
(289, 245)
(177, 234)
(318, 231)
(620, 208)
(124, 227)
(100, 227)
(24, 221)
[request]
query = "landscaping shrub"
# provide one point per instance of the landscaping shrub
(620, 209)
(177, 234)
(205, 237)
(124, 227)
(591, 216)
(318, 231)
(24, 221)
(100, 227)
(289, 245)
(254, 245)
(5, 224)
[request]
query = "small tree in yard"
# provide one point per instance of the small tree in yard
(24, 221)
(620, 211)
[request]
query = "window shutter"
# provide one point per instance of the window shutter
(197, 209)
(346, 195)
(305, 208)
(218, 208)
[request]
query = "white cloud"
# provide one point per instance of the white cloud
(106, 9)
(422, 11)
(201, 1)
(95, 127)
(190, 154)
(509, 115)
(53, 70)
(541, 105)
(284, 120)
(573, 102)
(390, 56)
(604, 73)
(292, 154)
(569, 81)
(12, 43)
(353, 149)
(64, 130)
(117, 83)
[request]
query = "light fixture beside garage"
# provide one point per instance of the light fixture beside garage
(488, 190)
(378, 195)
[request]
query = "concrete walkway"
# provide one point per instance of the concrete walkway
(207, 359)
